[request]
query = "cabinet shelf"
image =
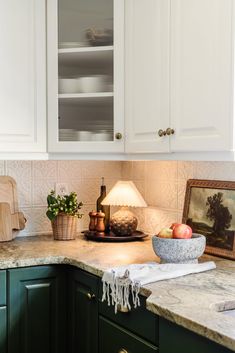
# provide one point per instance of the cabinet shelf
(86, 55)
(88, 98)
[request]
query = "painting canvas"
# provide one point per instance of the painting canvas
(210, 210)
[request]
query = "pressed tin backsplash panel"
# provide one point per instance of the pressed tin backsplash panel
(162, 183)
(35, 179)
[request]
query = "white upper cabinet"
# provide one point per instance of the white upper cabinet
(179, 75)
(86, 76)
(22, 76)
(147, 74)
(201, 75)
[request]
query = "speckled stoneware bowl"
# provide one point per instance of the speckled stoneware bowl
(181, 251)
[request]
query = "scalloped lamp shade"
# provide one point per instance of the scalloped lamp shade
(125, 194)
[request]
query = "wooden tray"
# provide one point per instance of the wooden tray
(111, 237)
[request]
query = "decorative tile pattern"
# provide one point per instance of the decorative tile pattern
(69, 170)
(155, 219)
(45, 170)
(127, 170)
(41, 188)
(165, 184)
(112, 170)
(92, 169)
(161, 170)
(162, 194)
(35, 179)
(21, 171)
(162, 184)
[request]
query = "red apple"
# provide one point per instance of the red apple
(173, 225)
(182, 231)
(165, 233)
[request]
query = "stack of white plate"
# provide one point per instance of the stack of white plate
(78, 135)
(102, 135)
(67, 135)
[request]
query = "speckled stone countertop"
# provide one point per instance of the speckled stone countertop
(188, 301)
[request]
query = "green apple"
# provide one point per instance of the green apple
(165, 233)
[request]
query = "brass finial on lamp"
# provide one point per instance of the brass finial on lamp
(124, 194)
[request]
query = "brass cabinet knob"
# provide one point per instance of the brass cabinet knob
(122, 350)
(118, 136)
(90, 296)
(170, 131)
(161, 133)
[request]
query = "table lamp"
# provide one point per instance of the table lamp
(124, 194)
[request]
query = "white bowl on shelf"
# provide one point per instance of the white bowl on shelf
(68, 85)
(102, 136)
(83, 135)
(91, 84)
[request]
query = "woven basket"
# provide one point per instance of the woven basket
(64, 227)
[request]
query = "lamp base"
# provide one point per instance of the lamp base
(123, 222)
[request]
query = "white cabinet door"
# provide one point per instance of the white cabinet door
(86, 120)
(201, 75)
(147, 74)
(22, 76)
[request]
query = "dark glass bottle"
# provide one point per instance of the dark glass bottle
(105, 209)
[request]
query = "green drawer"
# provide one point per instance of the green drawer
(2, 288)
(139, 321)
(113, 339)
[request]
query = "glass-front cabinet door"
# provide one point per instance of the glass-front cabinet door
(85, 76)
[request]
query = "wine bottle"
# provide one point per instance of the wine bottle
(104, 208)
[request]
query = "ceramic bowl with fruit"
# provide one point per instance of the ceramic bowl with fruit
(178, 244)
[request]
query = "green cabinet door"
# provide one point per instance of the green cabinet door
(115, 339)
(83, 312)
(176, 339)
(3, 291)
(37, 310)
(3, 329)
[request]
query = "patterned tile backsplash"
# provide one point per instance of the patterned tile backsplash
(35, 179)
(162, 183)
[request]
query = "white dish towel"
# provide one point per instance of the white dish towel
(119, 282)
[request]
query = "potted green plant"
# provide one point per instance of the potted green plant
(63, 212)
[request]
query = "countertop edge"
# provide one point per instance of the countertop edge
(160, 310)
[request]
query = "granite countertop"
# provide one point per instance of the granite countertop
(187, 301)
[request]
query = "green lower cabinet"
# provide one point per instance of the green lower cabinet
(115, 339)
(58, 309)
(3, 329)
(176, 339)
(3, 288)
(37, 310)
(140, 321)
(83, 312)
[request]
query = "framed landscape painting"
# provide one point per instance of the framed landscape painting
(209, 209)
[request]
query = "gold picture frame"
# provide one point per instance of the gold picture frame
(209, 209)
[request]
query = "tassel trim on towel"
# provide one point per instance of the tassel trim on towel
(119, 290)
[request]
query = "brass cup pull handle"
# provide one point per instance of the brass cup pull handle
(170, 131)
(90, 296)
(122, 350)
(161, 133)
(118, 136)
